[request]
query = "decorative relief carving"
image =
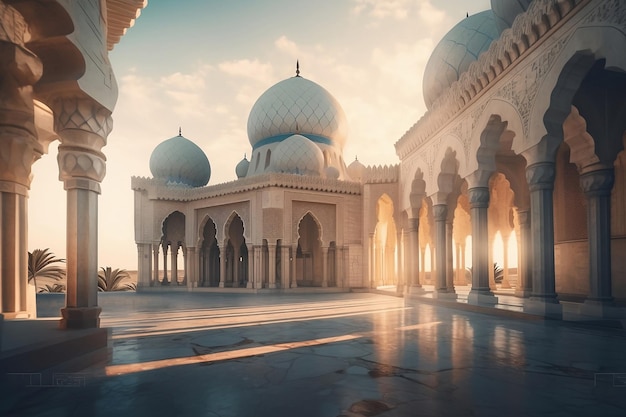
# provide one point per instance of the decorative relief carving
(13, 28)
(82, 114)
(479, 197)
(608, 11)
(440, 212)
(597, 183)
(541, 176)
(77, 163)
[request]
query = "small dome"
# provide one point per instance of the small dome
(179, 160)
(242, 168)
(456, 51)
(332, 172)
(505, 11)
(298, 155)
(297, 105)
(356, 170)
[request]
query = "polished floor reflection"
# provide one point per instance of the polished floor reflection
(332, 355)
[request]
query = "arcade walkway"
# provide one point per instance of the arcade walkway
(350, 354)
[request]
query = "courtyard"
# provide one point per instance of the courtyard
(329, 354)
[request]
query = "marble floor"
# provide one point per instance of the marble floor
(348, 354)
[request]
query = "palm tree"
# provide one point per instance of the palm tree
(111, 280)
(41, 265)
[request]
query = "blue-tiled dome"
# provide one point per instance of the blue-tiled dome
(242, 168)
(298, 155)
(456, 51)
(505, 11)
(180, 161)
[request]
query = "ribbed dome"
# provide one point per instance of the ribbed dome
(356, 170)
(505, 11)
(456, 51)
(298, 155)
(179, 160)
(242, 168)
(297, 105)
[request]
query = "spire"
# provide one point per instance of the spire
(297, 68)
(179, 131)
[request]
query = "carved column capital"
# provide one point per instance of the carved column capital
(81, 122)
(413, 224)
(440, 212)
(479, 197)
(79, 168)
(523, 217)
(540, 176)
(597, 183)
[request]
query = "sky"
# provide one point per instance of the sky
(201, 64)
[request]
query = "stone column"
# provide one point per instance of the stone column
(524, 266)
(236, 266)
(144, 264)
(450, 261)
(191, 267)
(371, 264)
(165, 280)
(185, 271)
(251, 271)
(155, 250)
(505, 262)
(480, 294)
(325, 266)
(292, 263)
(83, 126)
(272, 265)
(440, 213)
(543, 301)
(222, 266)
(597, 186)
(175, 264)
(413, 256)
(19, 149)
(285, 265)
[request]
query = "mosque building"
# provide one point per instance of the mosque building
(518, 162)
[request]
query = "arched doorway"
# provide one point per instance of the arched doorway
(385, 236)
(172, 240)
(209, 256)
(309, 262)
(236, 254)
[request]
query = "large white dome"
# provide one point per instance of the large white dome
(180, 161)
(297, 105)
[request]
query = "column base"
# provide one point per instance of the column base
(602, 309)
(294, 284)
(80, 317)
(523, 293)
(221, 284)
(324, 284)
(164, 282)
(416, 289)
(444, 295)
(249, 284)
(549, 308)
(272, 286)
(482, 298)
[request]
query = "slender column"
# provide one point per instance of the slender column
(524, 266)
(459, 269)
(251, 271)
(222, 266)
(191, 267)
(184, 251)
(340, 262)
(440, 213)
(175, 264)
(324, 266)
(480, 294)
(143, 264)
(165, 280)
(292, 263)
(272, 265)
(285, 266)
(155, 250)
(597, 186)
(258, 271)
(422, 272)
(413, 256)
(371, 263)
(543, 301)
(236, 267)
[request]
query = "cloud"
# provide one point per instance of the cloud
(283, 44)
(382, 9)
(246, 68)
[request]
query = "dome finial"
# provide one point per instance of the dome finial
(297, 68)
(180, 132)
